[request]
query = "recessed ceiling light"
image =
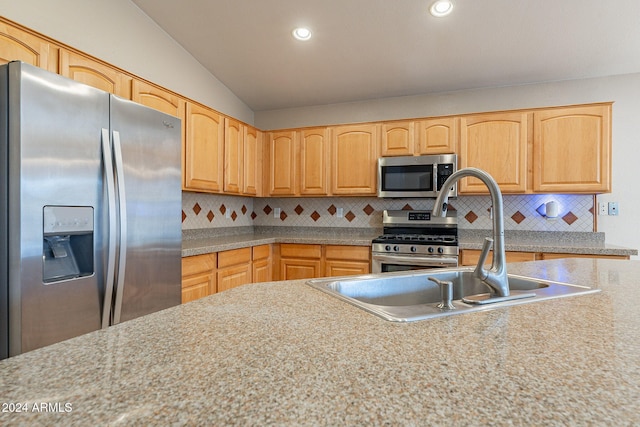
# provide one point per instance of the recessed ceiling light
(441, 8)
(302, 33)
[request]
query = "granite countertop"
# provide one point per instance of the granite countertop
(198, 242)
(283, 353)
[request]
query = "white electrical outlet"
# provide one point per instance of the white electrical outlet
(613, 208)
(276, 212)
(339, 212)
(602, 209)
(227, 213)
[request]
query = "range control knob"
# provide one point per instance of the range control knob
(387, 248)
(441, 250)
(413, 249)
(396, 248)
(430, 249)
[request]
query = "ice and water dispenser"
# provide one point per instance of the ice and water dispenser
(67, 250)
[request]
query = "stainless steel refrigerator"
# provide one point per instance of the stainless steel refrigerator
(90, 209)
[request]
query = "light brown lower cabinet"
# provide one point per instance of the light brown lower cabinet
(261, 264)
(198, 276)
(471, 256)
(347, 260)
(234, 268)
(298, 261)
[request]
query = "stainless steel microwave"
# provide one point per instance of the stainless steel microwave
(415, 176)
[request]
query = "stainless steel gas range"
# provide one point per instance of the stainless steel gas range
(415, 240)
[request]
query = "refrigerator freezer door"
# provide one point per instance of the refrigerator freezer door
(54, 152)
(147, 144)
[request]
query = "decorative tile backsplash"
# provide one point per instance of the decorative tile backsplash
(199, 210)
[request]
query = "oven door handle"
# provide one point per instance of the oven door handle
(419, 261)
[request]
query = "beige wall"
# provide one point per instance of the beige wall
(118, 32)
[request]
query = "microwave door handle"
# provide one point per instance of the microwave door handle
(122, 259)
(111, 237)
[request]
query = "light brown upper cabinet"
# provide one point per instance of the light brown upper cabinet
(282, 163)
(93, 73)
(204, 150)
(158, 99)
(19, 45)
(233, 155)
(438, 136)
(315, 156)
(397, 139)
(496, 143)
(354, 156)
(572, 149)
(252, 171)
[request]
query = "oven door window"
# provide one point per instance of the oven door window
(407, 178)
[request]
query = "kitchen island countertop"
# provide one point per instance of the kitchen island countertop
(284, 353)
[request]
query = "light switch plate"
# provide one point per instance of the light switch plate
(602, 209)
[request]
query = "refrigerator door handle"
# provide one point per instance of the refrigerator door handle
(122, 202)
(111, 202)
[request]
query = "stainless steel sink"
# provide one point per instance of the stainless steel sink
(411, 296)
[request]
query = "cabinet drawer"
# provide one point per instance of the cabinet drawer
(198, 264)
(233, 257)
(261, 252)
(356, 253)
(294, 250)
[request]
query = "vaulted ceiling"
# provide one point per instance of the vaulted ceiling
(368, 49)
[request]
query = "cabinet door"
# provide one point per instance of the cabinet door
(314, 161)
(19, 45)
(282, 163)
(438, 136)
(158, 99)
(198, 286)
(354, 156)
(252, 171)
(299, 268)
(203, 149)
(346, 268)
(233, 155)
(572, 149)
(198, 276)
(397, 139)
(93, 73)
(496, 143)
(261, 264)
(230, 277)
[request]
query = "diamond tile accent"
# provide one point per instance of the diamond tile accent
(283, 216)
(518, 217)
(254, 215)
(471, 217)
(332, 210)
(570, 218)
(299, 209)
(244, 209)
(223, 209)
(451, 207)
(368, 209)
(267, 209)
(210, 216)
(350, 216)
(197, 208)
(407, 207)
(315, 216)
(234, 215)
(184, 216)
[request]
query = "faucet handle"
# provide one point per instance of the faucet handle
(480, 272)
